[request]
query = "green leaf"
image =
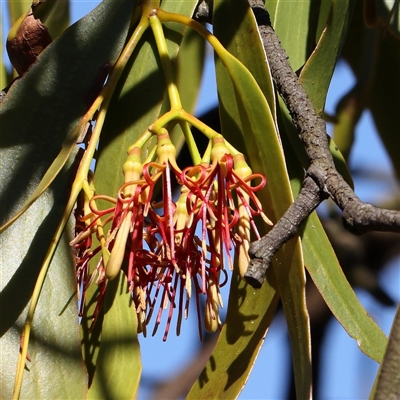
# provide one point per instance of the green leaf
(250, 313)
(56, 369)
(387, 384)
(190, 68)
(325, 271)
(44, 106)
(18, 8)
(317, 72)
(118, 365)
(58, 20)
(290, 20)
(67, 148)
(248, 123)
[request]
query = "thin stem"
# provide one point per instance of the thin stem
(106, 94)
(222, 53)
(141, 141)
(158, 126)
(194, 151)
(89, 192)
(208, 132)
(162, 48)
(35, 297)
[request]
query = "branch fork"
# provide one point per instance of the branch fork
(322, 179)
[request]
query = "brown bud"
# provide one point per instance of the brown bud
(26, 40)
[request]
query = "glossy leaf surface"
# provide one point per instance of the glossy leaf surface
(56, 369)
(318, 70)
(250, 313)
(327, 275)
(290, 20)
(118, 365)
(387, 384)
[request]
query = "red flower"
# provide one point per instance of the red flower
(170, 250)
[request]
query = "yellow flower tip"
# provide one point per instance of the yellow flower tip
(133, 167)
(266, 219)
(112, 270)
(113, 266)
(243, 258)
(211, 317)
(241, 166)
(166, 151)
(211, 313)
(219, 149)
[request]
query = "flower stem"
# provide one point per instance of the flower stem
(165, 16)
(162, 48)
(194, 151)
(173, 93)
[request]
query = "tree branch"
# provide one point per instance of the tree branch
(322, 179)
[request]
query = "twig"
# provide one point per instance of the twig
(322, 179)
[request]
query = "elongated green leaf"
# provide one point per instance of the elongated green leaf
(118, 365)
(327, 275)
(290, 20)
(59, 19)
(190, 68)
(32, 131)
(387, 384)
(56, 369)
(37, 114)
(48, 178)
(250, 313)
(317, 72)
(245, 112)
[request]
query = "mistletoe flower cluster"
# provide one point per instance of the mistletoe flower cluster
(173, 250)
